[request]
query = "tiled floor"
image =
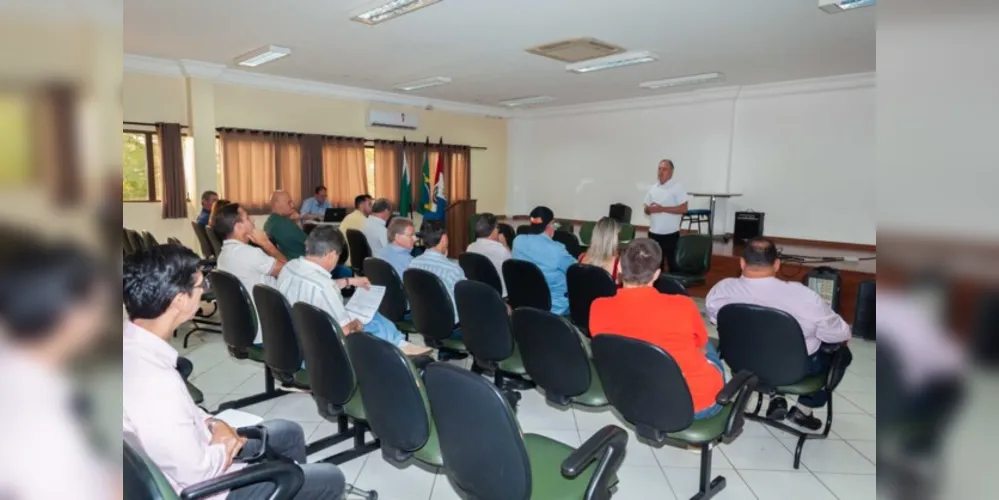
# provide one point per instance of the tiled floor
(758, 465)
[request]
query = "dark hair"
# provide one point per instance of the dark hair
(360, 199)
(381, 205)
(546, 217)
(226, 220)
(640, 261)
(485, 224)
(398, 226)
(432, 232)
(39, 282)
(760, 251)
(216, 208)
(323, 240)
(207, 195)
(151, 279)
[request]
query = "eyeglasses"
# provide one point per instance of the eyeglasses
(205, 284)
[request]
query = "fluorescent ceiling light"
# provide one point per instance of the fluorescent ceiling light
(262, 55)
(682, 80)
(837, 6)
(525, 101)
(391, 10)
(615, 61)
(424, 83)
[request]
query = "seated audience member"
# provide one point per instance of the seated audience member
(162, 290)
(282, 226)
(208, 198)
(399, 251)
(252, 265)
(435, 260)
(759, 285)
(357, 218)
(489, 242)
(307, 279)
(603, 251)
(314, 208)
(216, 208)
(374, 227)
(53, 302)
(551, 256)
(637, 312)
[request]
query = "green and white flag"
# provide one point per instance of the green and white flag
(405, 187)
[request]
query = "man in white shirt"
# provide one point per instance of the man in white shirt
(487, 242)
(665, 204)
(161, 290)
(374, 226)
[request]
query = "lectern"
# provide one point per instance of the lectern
(456, 216)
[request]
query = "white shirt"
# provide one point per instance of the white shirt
(376, 233)
(670, 194)
(250, 265)
(497, 253)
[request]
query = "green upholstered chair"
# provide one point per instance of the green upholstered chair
(570, 241)
(393, 306)
(526, 285)
(433, 313)
(669, 286)
(626, 234)
(693, 257)
(508, 232)
(555, 356)
(586, 232)
(201, 233)
(471, 227)
(769, 343)
(566, 225)
(281, 350)
(647, 388)
(214, 240)
(586, 283)
(487, 457)
(479, 268)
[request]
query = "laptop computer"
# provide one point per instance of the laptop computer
(335, 215)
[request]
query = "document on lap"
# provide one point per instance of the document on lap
(364, 304)
(237, 419)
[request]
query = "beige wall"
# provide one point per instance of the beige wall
(156, 98)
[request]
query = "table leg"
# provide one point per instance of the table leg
(711, 219)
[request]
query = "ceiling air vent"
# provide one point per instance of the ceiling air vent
(576, 50)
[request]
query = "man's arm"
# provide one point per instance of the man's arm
(829, 326)
(715, 300)
(264, 242)
(700, 331)
(675, 209)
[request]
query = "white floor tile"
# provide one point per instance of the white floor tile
(443, 489)
(570, 438)
(784, 485)
(868, 449)
(392, 482)
(831, 455)
(261, 408)
(252, 385)
(758, 453)
(224, 378)
(297, 407)
(684, 484)
(670, 456)
(534, 413)
(866, 401)
(212, 401)
(594, 419)
(851, 487)
(637, 453)
(853, 426)
(639, 483)
(352, 469)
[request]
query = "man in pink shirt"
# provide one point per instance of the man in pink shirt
(161, 289)
(759, 285)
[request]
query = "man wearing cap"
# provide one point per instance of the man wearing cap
(550, 256)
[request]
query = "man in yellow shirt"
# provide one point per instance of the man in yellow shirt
(362, 209)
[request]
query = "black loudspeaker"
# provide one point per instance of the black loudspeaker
(863, 314)
(748, 225)
(826, 282)
(620, 212)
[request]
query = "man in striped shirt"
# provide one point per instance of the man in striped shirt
(435, 260)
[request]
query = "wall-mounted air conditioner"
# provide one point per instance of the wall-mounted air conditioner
(393, 119)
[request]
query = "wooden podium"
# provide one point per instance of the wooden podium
(457, 215)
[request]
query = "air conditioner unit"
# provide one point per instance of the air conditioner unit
(393, 119)
(837, 6)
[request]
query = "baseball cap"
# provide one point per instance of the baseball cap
(540, 218)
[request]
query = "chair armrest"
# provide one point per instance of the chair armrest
(835, 374)
(733, 388)
(286, 477)
(736, 393)
(608, 446)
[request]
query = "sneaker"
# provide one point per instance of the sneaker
(777, 409)
(798, 417)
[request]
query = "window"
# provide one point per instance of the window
(140, 174)
(369, 158)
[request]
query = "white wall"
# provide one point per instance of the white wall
(803, 152)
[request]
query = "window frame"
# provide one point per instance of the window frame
(150, 165)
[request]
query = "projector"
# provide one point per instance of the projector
(837, 6)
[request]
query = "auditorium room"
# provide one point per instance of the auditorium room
(501, 250)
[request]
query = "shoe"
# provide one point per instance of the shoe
(777, 409)
(810, 422)
(451, 356)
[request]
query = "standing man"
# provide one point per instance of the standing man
(665, 204)
(208, 199)
(355, 219)
(282, 226)
(315, 208)
(374, 227)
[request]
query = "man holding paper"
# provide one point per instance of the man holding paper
(307, 279)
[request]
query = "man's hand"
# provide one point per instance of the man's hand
(259, 236)
(295, 216)
(225, 435)
(413, 350)
(353, 326)
(360, 282)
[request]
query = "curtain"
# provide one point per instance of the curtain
(344, 170)
(56, 118)
(171, 149)
(289, 166)
(388, 171)
(457, 173)
(312, 163)
(414, 156)
(249, 167)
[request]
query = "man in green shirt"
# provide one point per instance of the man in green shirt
(282, 226)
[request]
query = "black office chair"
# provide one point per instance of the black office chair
(669, 286)
(281, 350)
(488, 336)
(201, 233)
(143, 480)
(570, 241)
(487, 457)
(479, 268)
(359, 250)
(645, 384)
(395, 401)
(769, 343)
(586, 283)
(393, 306)
(126, 243)
(148, 240)
(215, 240)
(555, 358)
(693, 258)
(526, 285)
(333, 384)
(135, 240)
(433, 313)
(508, 233)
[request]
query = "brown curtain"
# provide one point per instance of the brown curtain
(344, 170)
(171, 149)
(289, 166)
(249, 167)
(457, 173)
(56, 118)
(312, 163)
(388, 171)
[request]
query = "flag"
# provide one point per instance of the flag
(425, 193)
(438, 201)
(405, 187)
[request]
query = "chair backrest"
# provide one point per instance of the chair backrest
(126, 243)
(148, 240)
(141, 478)
(201, 233)
(484, 453)
(644, 383)
(214, 240)
(669, 286)
(344, 256)
(891, 407)
(569, 240)
(508, 232)
(479, 268)
(553, 353)
(381, 273)
(485, 325)
(523, 229)
(136, 240)
(765, 341)
(281, 350)
(430, 303)
(239, 318)
(586, 232)
(526, 285)
(626, 234)
(331, 373)
(693, 254)
(586, 283)
(394, 403)
(359, 248)
(472, 219)
(565, 225)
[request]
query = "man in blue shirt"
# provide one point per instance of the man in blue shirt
(208, 199)
(315, 208)
(399, 252)
(550, 256)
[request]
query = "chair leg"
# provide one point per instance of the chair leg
(708, 487)
(270, 392)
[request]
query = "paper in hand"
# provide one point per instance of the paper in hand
(365, 303)
(237, 419)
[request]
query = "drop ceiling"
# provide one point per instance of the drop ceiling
(481, 44)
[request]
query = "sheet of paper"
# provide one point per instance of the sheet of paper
(237, 419)
(365, 302)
